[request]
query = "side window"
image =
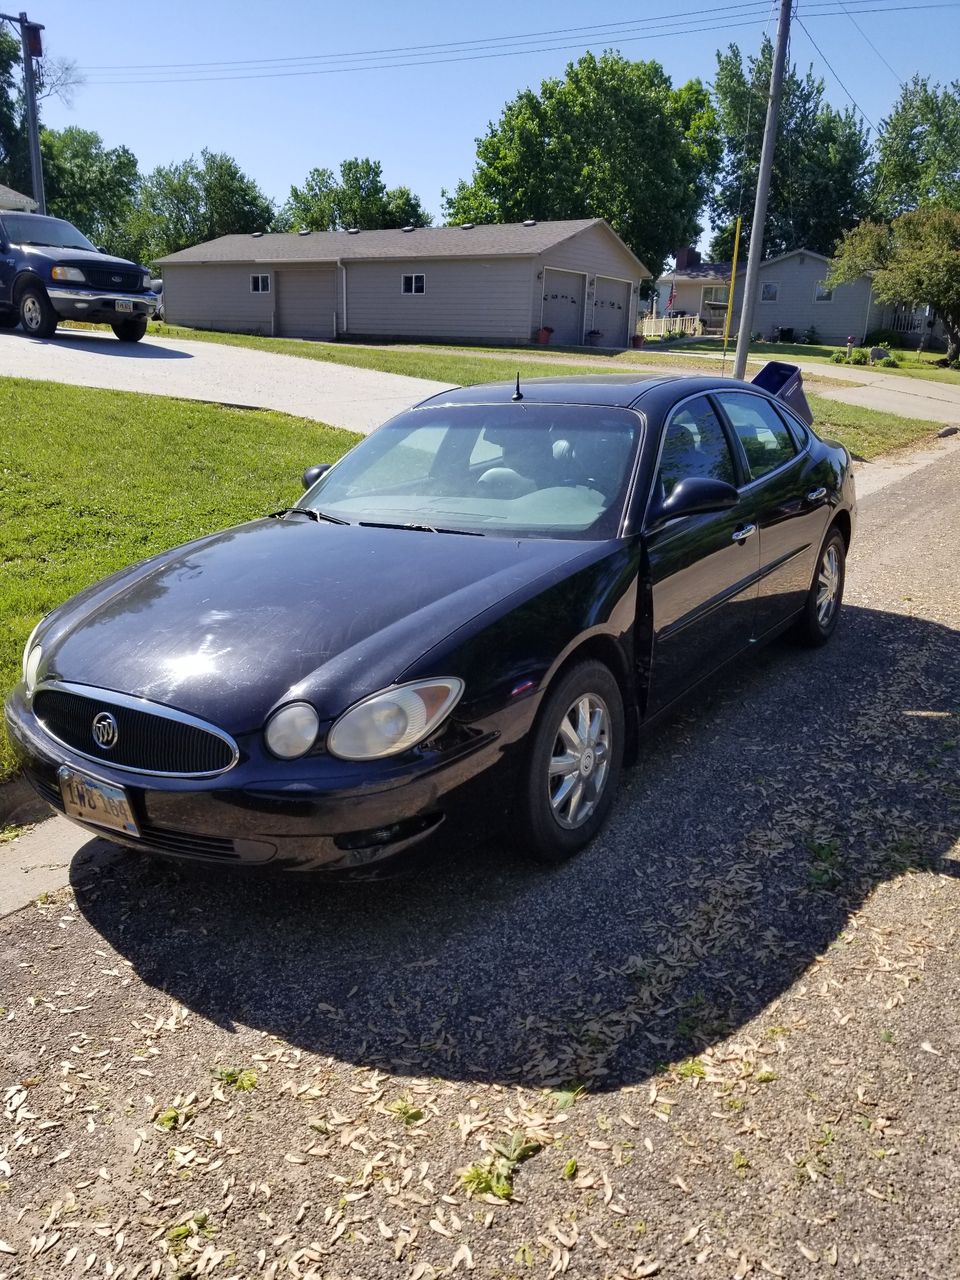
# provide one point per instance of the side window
(762, 432)
(694, 445)
(411, 459)
(485, 451)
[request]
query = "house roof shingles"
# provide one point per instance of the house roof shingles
(14, 200)
(513, 239)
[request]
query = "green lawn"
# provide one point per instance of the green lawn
(914, 364)
(461, 364)
(93, 480)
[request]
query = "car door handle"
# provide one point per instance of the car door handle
(815, 495)
(741, 535)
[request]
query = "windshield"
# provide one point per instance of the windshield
(520, 470)
(52, 232)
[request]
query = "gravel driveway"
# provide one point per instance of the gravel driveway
(359, 399)
(753, 975)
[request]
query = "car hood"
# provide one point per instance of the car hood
(78, 257)
(230, 625)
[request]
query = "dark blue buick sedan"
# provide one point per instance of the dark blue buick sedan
(470, 618)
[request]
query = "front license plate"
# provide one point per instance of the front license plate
(123, 306)
(98, 802)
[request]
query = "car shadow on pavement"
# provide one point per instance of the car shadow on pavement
(753, 825)
(105, 344)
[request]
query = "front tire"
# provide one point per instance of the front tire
(575, 763)
(37, 316)
(130, 330)
(821, 612)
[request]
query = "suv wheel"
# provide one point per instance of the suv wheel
(37, 316)
(130, 330)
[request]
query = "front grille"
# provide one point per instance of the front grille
(145, 740)
(114, 279)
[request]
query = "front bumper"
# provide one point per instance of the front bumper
(100, 306)
(312, 813)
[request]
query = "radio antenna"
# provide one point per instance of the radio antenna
(518, 394)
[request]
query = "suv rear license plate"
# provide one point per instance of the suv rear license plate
(97, 802)
(121, 305)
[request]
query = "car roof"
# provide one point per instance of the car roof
(620, 389)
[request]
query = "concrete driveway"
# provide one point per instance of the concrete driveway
(359, 399)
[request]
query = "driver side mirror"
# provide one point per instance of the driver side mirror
(313, 474)
(697, 495)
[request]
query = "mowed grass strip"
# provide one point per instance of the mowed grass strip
(91, 481)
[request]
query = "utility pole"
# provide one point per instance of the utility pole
(755, 255)
(32, 45)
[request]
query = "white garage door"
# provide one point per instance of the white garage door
(612, 311)
(306, 300)
(563, 306)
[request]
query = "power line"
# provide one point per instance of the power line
(424, 60)
(445, 46)
(835, 76)
(871, 44)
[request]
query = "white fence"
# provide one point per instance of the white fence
(908, 321)
(657, 326)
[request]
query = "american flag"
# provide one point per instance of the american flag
(673, 295)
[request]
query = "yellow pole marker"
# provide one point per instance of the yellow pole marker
(733, 283)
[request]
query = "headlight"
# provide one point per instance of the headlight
(31, 664)
(292, 730)
(72, 274)
(394, 720)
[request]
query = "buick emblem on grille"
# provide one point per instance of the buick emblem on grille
(105, 730)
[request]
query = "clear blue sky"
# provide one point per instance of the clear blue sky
(420, 122)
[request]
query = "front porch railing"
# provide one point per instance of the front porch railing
(657, 326)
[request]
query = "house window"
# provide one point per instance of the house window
(259, 284)
(822, 293)
(770, 292)
(716, 295)
(413, 284)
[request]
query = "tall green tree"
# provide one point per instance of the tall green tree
(90, 185)
(916, 258)
(183, 204)
(821, 169)
(919, 149)
(613, 139)
(56, 78)
(360, 199)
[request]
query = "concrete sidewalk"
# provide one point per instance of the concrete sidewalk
(340, 396)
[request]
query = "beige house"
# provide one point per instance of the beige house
(482, 283)
(14, 201)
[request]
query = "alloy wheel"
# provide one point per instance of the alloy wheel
(828, 585)
(32, 314)
(580, 761)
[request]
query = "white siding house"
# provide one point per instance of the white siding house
(485, 283)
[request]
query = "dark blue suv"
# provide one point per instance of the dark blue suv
(50, 272)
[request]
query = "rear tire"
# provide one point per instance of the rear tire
(575, 763)
(130, 330)
(37, 316)
(821, 613)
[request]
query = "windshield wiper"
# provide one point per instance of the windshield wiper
(310, 512)
(419, 528)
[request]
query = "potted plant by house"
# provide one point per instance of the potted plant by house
(593, 337)
(543, 334)
(637, 341)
